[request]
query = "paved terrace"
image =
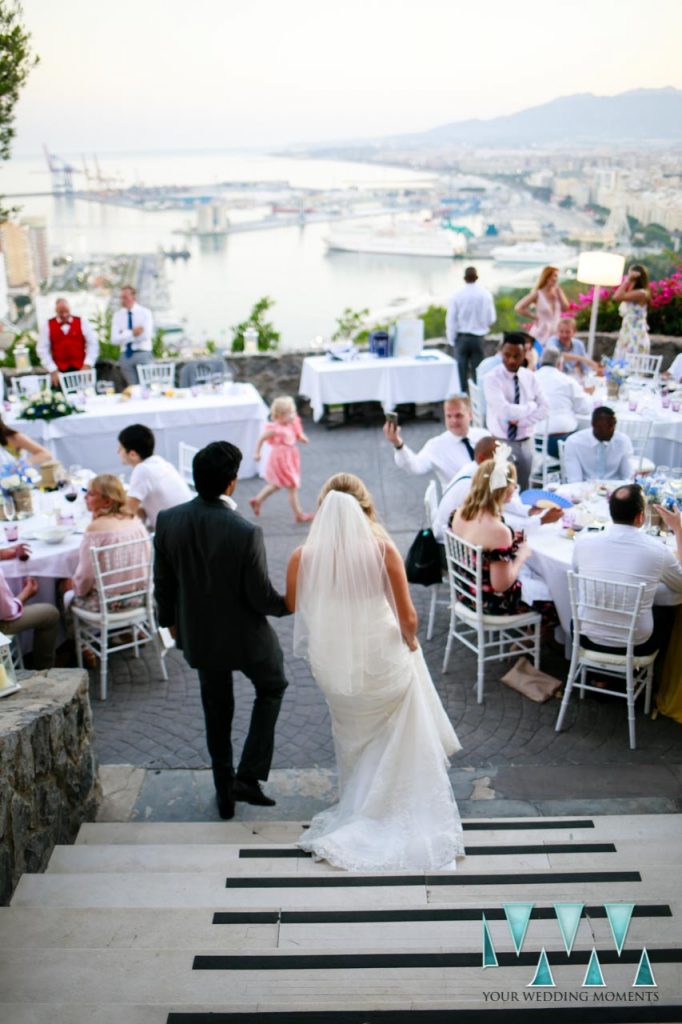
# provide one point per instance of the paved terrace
(512, 761)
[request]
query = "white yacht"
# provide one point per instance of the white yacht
(534, 254)
(402, 239)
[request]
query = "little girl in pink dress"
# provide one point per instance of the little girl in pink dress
(284, 464)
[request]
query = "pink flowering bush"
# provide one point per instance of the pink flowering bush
(664, 314)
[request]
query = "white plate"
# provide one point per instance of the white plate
(5, 692)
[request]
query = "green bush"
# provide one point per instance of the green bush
(268, 337)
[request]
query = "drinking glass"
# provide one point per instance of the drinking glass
(9, 507)
(101, 387)
(676, 482)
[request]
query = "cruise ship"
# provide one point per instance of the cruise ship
(402, 239)
(534, 254)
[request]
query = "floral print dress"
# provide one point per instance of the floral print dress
(633, 337)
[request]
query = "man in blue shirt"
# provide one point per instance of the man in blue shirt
(575, 359)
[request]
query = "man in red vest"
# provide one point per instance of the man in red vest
(66, 343)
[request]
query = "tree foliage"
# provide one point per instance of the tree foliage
(16, 61)
(268, 337)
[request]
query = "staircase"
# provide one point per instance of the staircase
(228, 923)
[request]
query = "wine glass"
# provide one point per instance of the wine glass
(9, 507)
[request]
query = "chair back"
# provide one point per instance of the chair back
(465, 572)
(186, 453)
(77, 380)
(160, 374)
(30, 384)
(561, 446)
(123, 573)
(431, 503)
(609, 606)
(543, 464)
(640, 365)
(638, 431)
(477, 404)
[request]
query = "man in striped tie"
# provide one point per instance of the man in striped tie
(515, 404)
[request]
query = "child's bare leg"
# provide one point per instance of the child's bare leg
(256, 502)
(299, 515)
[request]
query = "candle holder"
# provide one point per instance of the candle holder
(8, 676)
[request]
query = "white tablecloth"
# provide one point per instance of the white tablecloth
(665, 441)
(89, 439)
(392, 382)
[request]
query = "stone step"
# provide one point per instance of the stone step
(278, 981)
(585, 828)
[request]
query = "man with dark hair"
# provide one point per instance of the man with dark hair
(599, 452)
(213, 592)
(515, 403)
(623, 554)
(471, 313)
(155, 483)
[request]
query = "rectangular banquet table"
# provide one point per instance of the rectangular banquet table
(419, 379)
(238, 415)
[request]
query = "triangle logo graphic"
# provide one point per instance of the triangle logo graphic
(543, 974)
(619, 915)
(489, 955)
(568, 916)
(593, 975)
(518, 916)
(645, 976)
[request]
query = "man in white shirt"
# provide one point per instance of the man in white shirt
(575, 359)
(471, 314)
(66, 342)
(514, 404)
(599, 452)
(445, 454)
(565, 397)
(132, 328)
(155, 484)
(623, 554)
(675, 369)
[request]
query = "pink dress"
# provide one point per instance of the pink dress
(547, 316)
(284, 465)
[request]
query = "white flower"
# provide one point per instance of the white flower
(61, 407)
(33, 475)
(11, 482)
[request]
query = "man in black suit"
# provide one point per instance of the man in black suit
(213, 592)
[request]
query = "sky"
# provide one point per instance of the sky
(215, 74)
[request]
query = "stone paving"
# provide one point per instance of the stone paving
(154, 724)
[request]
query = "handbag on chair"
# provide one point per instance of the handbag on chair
(423, 560)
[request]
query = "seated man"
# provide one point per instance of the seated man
(155, 484)
(445, 454)
(599, 452)
(574, 356)
(16, 616)
(623, 554)
(565, 397)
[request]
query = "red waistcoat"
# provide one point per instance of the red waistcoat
(68, 350)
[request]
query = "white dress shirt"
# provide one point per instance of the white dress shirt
(675, 369)
(583, 459)
(624, 554)
(443, 455)
(121, 334)
(498, 386)
(44, 348)
(453, 496)
(566, 400)
(471, 311)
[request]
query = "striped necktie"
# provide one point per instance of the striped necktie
(512, 428)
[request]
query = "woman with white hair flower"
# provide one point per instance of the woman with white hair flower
(479, 521)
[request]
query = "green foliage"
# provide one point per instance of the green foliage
(158, 347)
(16, 61)
(211, 347)
(102, 327)
(268, 337)
(26, 338)
(348, 325)
(434, 322)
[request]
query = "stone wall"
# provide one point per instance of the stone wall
(48, 771)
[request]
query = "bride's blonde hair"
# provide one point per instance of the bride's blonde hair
(348, 483)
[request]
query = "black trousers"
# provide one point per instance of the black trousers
(469, 349)
(217, 697)
(664, 617)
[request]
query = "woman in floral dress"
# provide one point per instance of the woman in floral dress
(634, 297)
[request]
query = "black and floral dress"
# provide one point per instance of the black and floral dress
(509, 601)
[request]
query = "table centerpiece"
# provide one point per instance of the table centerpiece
(17, 480)
(46, 405)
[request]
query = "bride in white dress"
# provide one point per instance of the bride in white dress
(356, 624)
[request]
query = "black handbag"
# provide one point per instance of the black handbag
(422, 562)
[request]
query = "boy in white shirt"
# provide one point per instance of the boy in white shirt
(155, 483)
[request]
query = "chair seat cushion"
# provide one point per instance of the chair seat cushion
(497, 621)
(604, 658)
(124, 618)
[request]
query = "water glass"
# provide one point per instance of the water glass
(8, 507)
(675, 405)
(665, 400)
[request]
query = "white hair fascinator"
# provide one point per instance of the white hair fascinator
(500, 474)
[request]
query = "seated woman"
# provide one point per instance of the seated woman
(479, 521)
(105, 499)
(14, 445)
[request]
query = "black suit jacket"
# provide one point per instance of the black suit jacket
(211, 581)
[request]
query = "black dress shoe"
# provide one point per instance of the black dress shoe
(225, 806)
(249, 792)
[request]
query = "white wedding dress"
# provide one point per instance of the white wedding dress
(396, 809)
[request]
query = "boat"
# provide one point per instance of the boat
(398, 240)
(533, 254)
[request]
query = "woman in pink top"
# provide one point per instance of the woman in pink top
(549, 302)
(284, 465)
(110, 524)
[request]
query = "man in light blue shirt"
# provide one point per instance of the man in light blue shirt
(600, 452)
(471, 314)
(575, 358)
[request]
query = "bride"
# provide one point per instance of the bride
(356, 624)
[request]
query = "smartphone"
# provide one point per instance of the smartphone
(392, 417)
